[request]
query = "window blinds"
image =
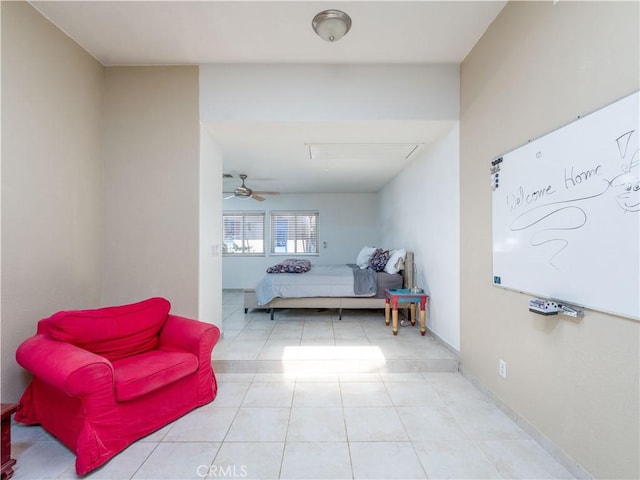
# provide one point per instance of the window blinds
(294, 232)
(243, 233)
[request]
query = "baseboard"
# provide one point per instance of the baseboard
(567, 462)
(444, 343)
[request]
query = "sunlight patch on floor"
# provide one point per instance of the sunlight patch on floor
(320, 360)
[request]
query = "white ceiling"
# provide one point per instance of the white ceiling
(358, 157)
(276, 156)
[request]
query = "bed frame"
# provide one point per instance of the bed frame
(338, 303)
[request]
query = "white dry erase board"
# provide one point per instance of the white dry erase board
(566, 213)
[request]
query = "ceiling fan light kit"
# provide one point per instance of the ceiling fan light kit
(331, 25)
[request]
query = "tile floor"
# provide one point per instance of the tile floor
(308, 396)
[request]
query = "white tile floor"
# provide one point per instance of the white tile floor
(309, 396)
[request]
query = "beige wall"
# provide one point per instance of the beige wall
(537, 68)
(51, 179)
(151, 169)
(100, 183)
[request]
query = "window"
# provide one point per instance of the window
(294, 232)
(243, 233)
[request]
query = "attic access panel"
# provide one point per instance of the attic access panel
(362, 151)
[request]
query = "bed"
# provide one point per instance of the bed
(336, 299)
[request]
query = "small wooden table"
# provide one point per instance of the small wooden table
(392, 297)
(8, 409)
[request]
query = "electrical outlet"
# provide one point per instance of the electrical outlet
(502, 368)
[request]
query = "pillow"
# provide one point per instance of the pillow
(112, 332)
(396, 261)
(379, 259)
(364, 256)
(291, 265)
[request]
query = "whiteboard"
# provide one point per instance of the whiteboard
(566, 213)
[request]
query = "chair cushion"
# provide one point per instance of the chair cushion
(112, 332)
(144, 373)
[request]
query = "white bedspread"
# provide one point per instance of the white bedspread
(320, 281)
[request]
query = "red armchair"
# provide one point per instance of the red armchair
(105, 378)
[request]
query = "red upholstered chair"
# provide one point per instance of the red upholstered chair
(104, 378)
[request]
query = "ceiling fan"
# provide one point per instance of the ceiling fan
(245, 192)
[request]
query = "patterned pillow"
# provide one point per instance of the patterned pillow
(291, 265)
(379, 259)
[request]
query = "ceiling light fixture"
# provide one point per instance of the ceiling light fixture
(331, 25)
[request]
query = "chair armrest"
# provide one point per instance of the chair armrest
(64, 366)
(185, 334)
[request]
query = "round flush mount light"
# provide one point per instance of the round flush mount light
(331, 25)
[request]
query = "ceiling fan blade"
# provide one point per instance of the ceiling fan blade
(245, 192)
(230, 196)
